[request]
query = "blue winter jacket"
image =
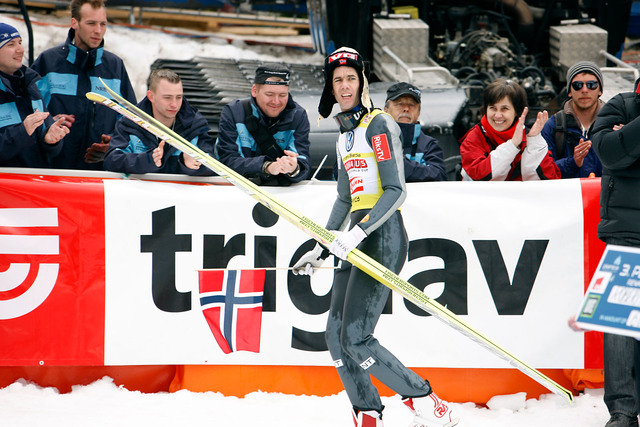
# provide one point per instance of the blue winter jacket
(423, 157)
(68, 73)
(131, 146)
(237, 149)
(20, 97)
(564, 160)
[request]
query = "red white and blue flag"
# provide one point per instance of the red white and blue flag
(231, 302)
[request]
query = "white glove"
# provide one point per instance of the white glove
(309, 261)
(347, 241)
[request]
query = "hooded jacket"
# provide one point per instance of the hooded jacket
(68, 73)
(20, 97)
(619, 152)
(131, 146)
(238, 149)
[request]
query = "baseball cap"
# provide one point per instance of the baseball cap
(400, 89)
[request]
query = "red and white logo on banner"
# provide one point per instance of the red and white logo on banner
(26, 285)
(231, 302)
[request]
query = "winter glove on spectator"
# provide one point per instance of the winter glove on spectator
(96, 152)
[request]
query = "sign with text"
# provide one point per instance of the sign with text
(612, 302)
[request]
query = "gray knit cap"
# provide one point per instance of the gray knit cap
(584, 67)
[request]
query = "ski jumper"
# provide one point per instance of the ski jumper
(371, 189)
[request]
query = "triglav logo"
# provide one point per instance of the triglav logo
(26, 285)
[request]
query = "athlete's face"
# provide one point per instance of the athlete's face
(11, 56)
(166, 100)
(346, 87)
(271, 98)
(584, 98)
(90, 28)
(404, 109)
(501, 115)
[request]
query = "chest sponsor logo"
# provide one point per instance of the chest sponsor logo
(381, 147)
(350, 140)
(355, 163)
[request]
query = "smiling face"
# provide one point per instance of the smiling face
(346, 87)
(90, 28)
(11, 56)
(272, 99)
(501, 114)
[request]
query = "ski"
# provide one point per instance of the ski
(323, 236)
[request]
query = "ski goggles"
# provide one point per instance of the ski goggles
(591, 85)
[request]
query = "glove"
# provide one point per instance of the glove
(347, 241)
(96, 152)
(312, 259)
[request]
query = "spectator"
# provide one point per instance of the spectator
(71, 70)
(497, 148)
(134, 150)
(266, 136)
(568, 132)
(423, 157)
(368, 150)
(28, 135)
(615, 141)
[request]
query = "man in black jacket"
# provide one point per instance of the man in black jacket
(423, 157)
(134, 150)
(615, 141)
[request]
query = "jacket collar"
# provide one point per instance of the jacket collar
(81, 58)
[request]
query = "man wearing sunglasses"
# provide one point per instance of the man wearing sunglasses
(568, 132)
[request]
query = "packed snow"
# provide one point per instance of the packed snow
(105, 404)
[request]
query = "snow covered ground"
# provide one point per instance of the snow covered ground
(104, 404)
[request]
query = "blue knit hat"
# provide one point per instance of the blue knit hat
(7, 33)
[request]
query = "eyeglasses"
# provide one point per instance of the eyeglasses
(591, 84)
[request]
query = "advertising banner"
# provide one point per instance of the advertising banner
(507, 257)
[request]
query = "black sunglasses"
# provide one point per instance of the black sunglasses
(591, 84)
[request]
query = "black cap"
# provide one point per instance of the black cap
(400, 89)
(266, 71)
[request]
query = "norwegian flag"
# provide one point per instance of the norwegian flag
(231, 302)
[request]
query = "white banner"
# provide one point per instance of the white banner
(508, 257)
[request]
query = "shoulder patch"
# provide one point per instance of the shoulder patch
(381, 147)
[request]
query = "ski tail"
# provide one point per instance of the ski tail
(323, 236)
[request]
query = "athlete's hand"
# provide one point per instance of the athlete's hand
(347, 241)
(65, 119)
(308, 262)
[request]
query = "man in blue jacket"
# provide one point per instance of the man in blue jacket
(28, 135)
(423, 157)
(71, 70)
(134, 150)
(266, 137)
(568, 132)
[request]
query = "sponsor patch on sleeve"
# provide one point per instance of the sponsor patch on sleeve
(381, 147)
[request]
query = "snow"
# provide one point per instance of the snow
(105, 404)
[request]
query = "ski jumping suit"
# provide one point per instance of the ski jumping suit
(371, 189)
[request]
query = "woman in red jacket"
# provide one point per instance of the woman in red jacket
(497, 148)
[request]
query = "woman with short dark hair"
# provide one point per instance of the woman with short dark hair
(497, 149)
